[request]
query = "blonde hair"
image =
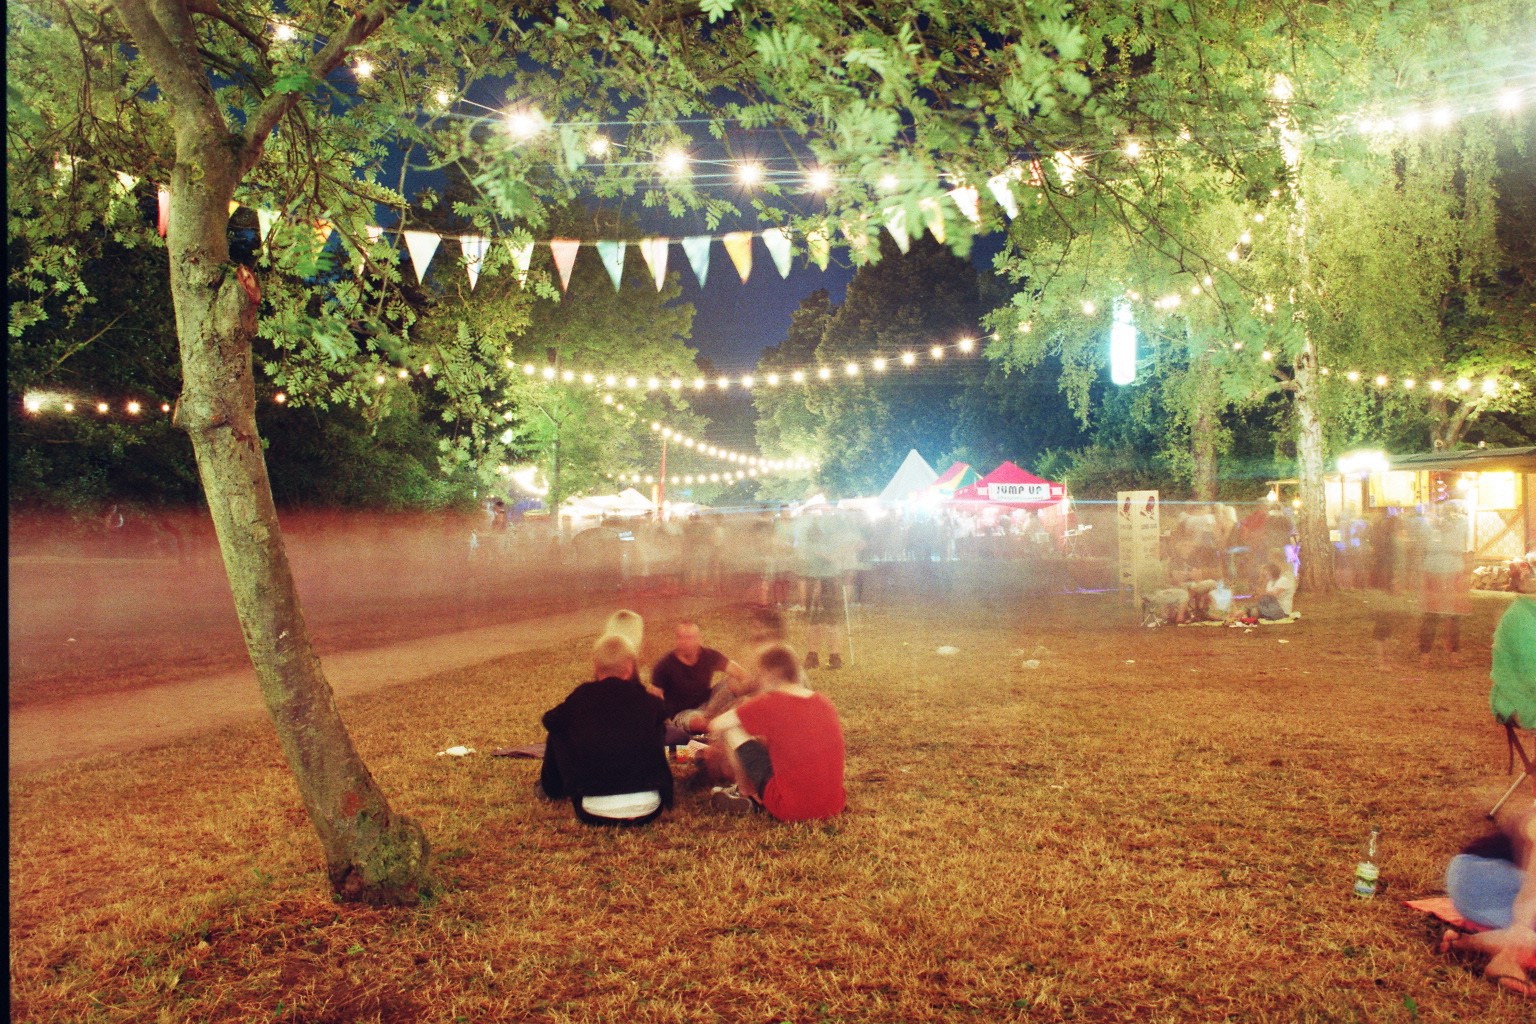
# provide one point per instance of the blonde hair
(612, 656)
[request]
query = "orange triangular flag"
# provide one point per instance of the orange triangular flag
(564, 250)
(739, 245)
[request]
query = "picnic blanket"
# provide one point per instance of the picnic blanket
(1245, 625)
(1442, 908)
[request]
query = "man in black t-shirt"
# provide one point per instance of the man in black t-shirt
(683, 679)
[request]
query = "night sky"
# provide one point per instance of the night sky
(735, 322)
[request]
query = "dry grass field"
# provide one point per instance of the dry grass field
(1151, 825)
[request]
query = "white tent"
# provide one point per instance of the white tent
(914, 476)
(628, 503)
(631, 500)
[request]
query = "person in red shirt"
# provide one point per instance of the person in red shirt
(784, 746)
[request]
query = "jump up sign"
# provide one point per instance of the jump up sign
(1136, 513)
(1020, 494)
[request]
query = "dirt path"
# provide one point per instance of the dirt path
(47, 735)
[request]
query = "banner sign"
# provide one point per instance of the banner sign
(1019, 494)
(1137, 517)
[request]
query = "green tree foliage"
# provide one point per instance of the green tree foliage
(862, 429)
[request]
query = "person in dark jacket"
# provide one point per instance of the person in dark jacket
(604, 752)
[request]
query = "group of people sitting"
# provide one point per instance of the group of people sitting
(1186, 599)
(770, 741)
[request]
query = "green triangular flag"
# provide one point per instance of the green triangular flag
(613, 258)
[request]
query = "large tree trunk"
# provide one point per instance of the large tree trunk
(372, 855)
(1312, 522)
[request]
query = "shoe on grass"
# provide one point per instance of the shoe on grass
(812, 661)
(835, 661)
(731, 800)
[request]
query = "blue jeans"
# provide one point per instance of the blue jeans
(1483, 888)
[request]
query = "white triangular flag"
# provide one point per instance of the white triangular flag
(564, 251)
(896, 224)
(778, 247)
(655, 252)
(522, 255)
(612, 253)
(374, 234)
(819, 246)
(128, 181)
(474, 247)
(968, 200)
(696, 247)
(421, 245)
(264, 220)
(998, 186)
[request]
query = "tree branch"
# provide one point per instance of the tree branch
(211, 9)
(170, 50)
(320, 65)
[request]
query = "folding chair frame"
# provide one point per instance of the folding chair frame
(1516, 749)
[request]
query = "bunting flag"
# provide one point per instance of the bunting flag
(857, 234)
(696, 248)
(738, 245)
(265, 219)
(564, 251)
(778, 247)
(421, 245)
(128, 181)
(819, 246)
(896, 224)
(522, 255)
(163, 224)
(322, 230)
(968, 200)
(612, 253)
(655, 252)
(374, 234)
(234, 204)
(474, 247)
(998, 186)
(933, 217)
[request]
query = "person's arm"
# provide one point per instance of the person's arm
(728, 730)
(740, 681)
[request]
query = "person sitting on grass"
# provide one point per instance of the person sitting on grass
(1492, 882)
(784, 746)
(684, 680)
(1280, 588)
(604, 750)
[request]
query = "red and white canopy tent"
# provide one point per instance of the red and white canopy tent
(1013, 488)
(1008, 489)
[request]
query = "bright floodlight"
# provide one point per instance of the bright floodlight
(525, 123)
(750, 174)
(599, 146)
(674, 162)
(284, 33)
(363, 68)
(1122, 346)
(819, 180)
